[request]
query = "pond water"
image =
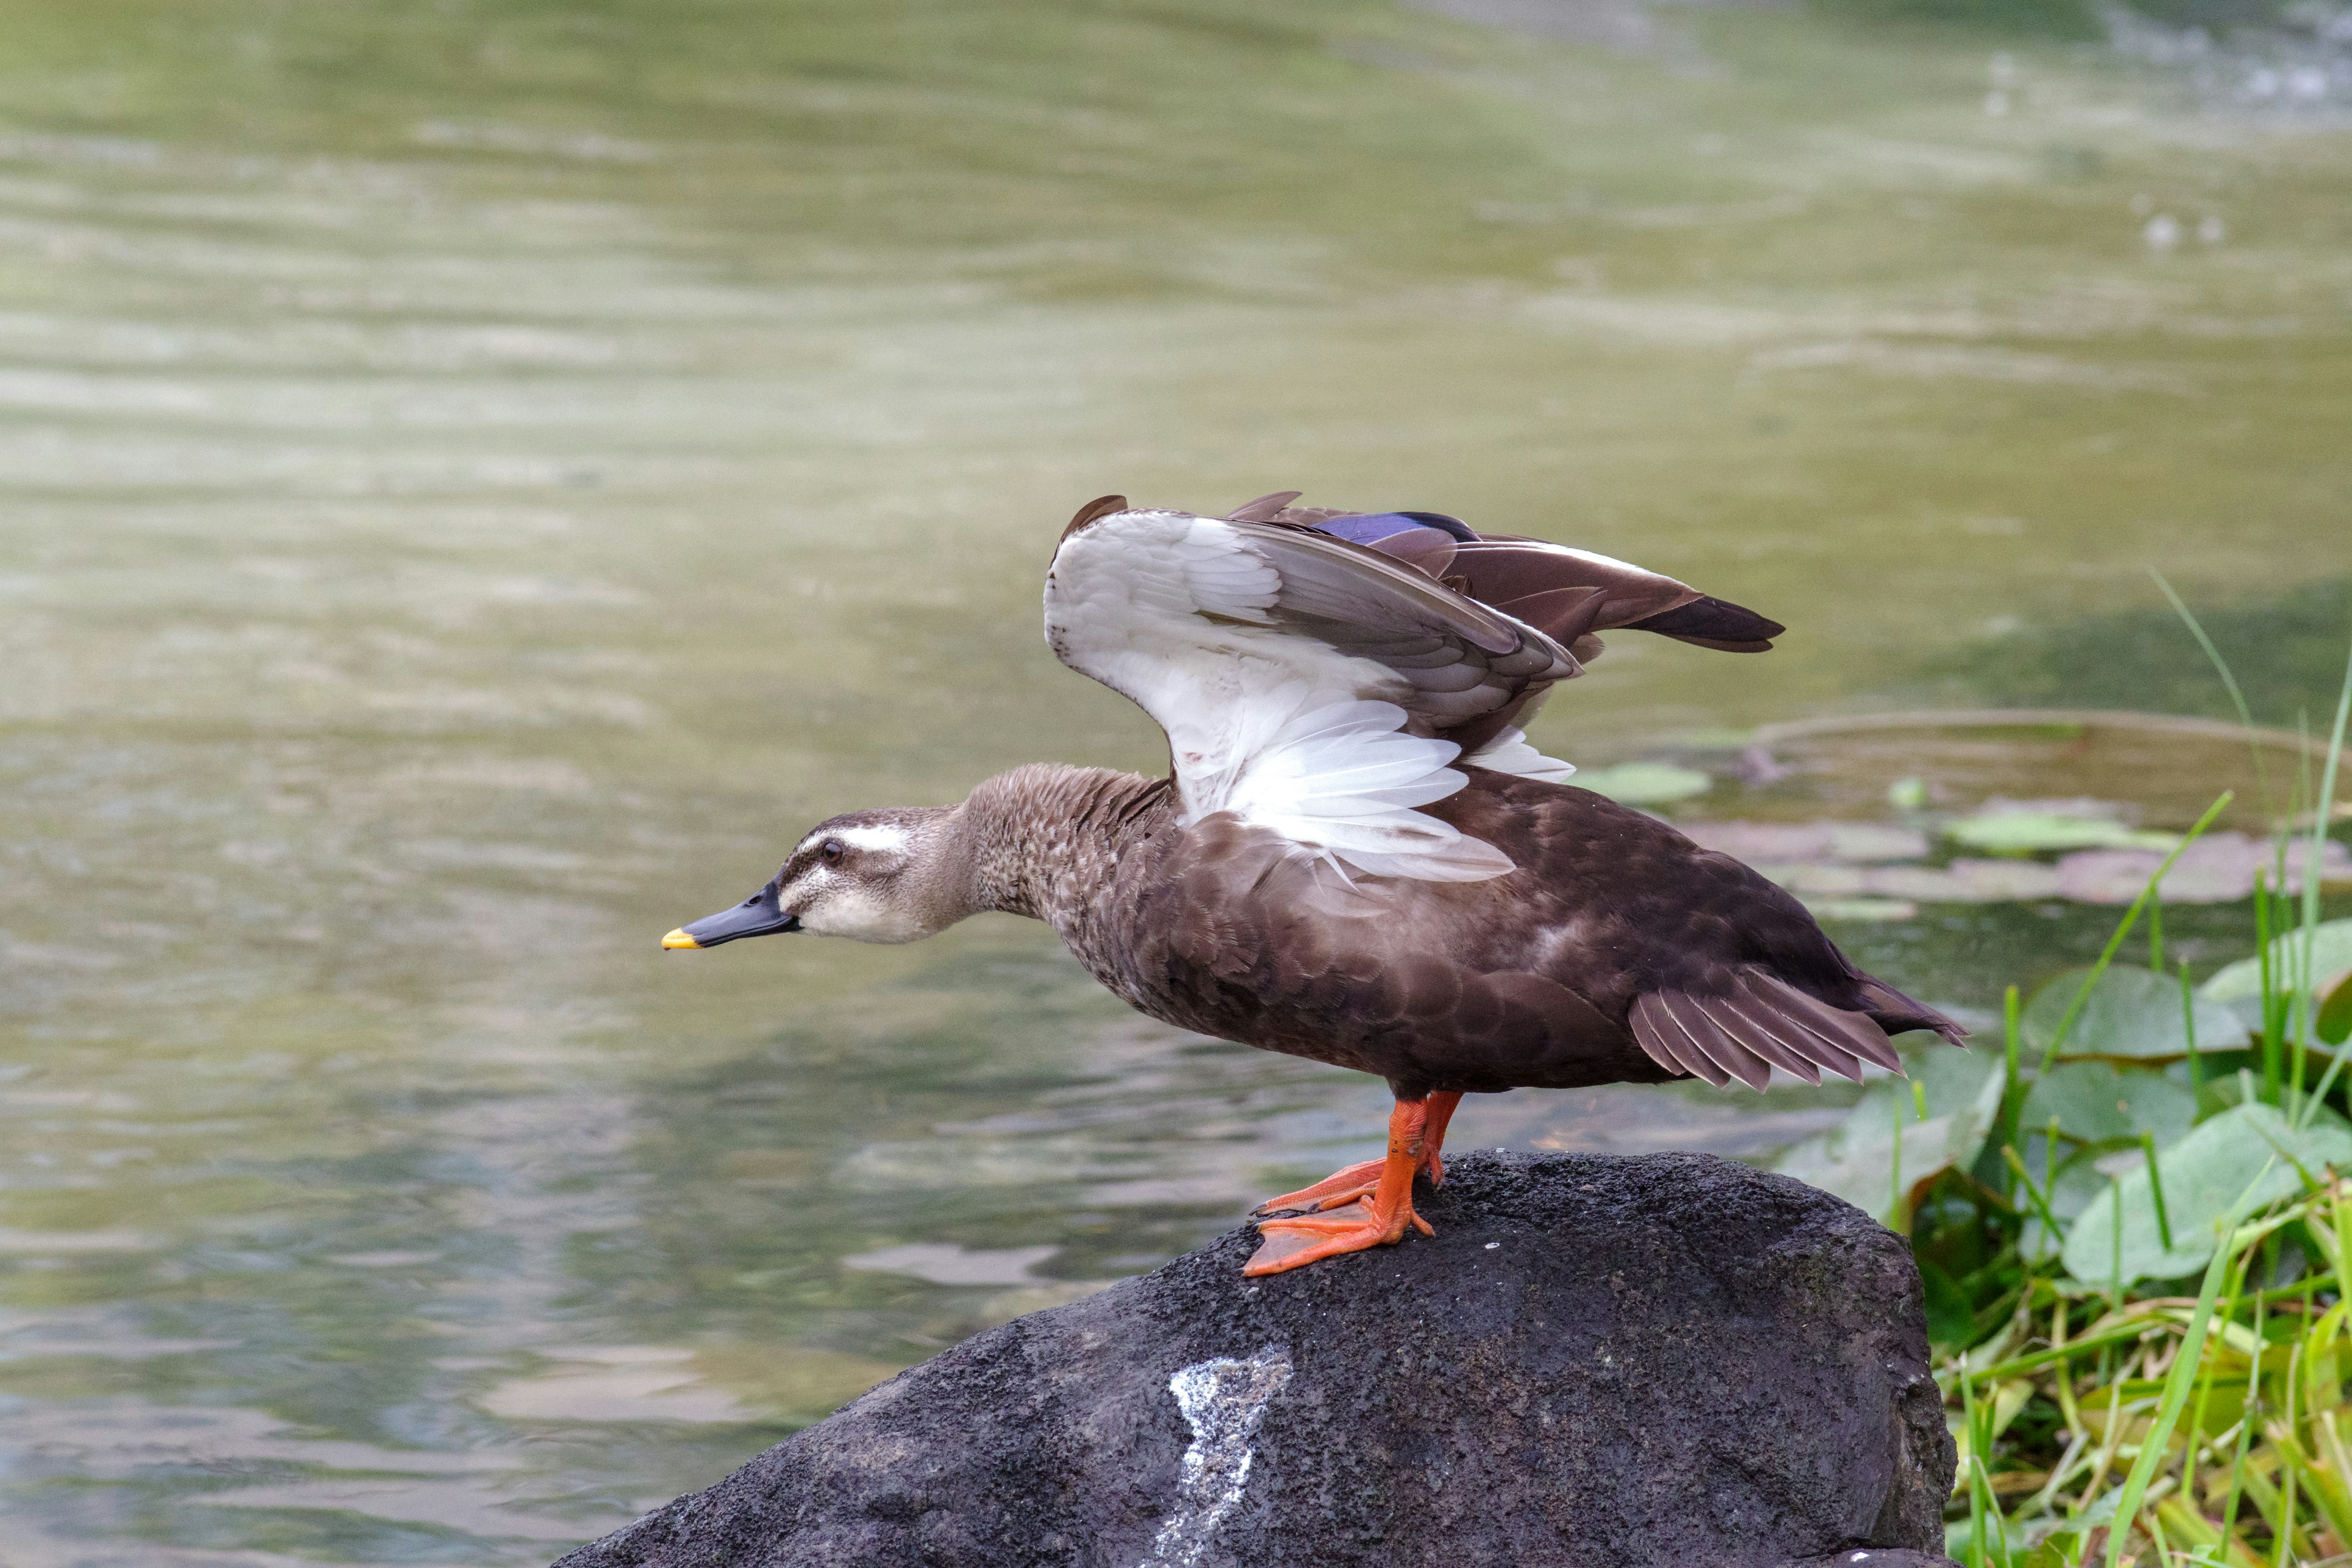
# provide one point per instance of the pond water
(476, 479)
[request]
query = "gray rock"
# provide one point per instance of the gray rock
(1619, 1363)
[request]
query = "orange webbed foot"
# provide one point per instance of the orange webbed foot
(1335, 1191)
(1362, 1180)
(1294, 1242)
(1362, 1206)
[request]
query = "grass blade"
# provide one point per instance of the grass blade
(2307, 1009)
(2182, 1376)
(2124, 927)
(2229, 684)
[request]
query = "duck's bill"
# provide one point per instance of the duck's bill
(755, 916)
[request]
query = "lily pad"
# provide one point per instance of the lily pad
(1862, 909)
(1875, 841)
(1812, 879)
(2331, 954)
(2080, 1184)
(1646, 783)
(2217, 869)
(2100, 1102)
(1856, 1160)
(1762, 843)
(2204, 1173)
(2132, 1014)
(2021, 831)
(1967, 880)
(1781, 843)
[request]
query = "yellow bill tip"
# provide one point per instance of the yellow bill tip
(679, 939)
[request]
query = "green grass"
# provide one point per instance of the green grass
(2155, 1415)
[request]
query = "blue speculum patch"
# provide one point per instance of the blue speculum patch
(1367, 528)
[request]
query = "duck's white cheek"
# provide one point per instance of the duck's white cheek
(857, 914)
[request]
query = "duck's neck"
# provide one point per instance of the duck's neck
(1043, 839)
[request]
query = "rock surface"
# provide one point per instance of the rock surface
(1672, 1359)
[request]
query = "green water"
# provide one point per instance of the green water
(477, 478)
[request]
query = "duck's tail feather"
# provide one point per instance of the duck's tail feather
(1710, 622)
(1897, 1013)
(1761, 1023)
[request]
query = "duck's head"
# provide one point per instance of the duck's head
(871, 875)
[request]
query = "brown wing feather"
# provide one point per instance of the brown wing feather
(1896, 1012)
(1854, 1032)
(1758, 1035)
(1762, 1023)
(1665, 1039)
(1262, 510)
(1461, 658)
(1650, 1025)
(1560, 591)
(1721, 1046)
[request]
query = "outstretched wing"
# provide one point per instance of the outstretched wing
(1567, 593)
(1307, 683)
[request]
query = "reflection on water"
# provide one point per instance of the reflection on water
(477, 480)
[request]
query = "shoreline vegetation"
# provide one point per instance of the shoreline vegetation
(2134, 1231)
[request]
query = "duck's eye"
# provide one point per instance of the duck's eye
(831, 851)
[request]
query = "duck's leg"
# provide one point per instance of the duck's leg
(1440, 1111)
(1293, 1242)
(1359, 1180)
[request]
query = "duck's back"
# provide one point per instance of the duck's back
(1616, 943)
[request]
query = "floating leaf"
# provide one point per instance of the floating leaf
(1862, 909)
(2080, 1182)
(2217, 869)
(1951, 1078)
(2204, 1173)
(1783, 842)
(1855, 1160)
(2014, 831)
(1875, 841)
(1812, 879)
(2100, 1102)
(1967, 880)
(2132, 1013)
(1646, 783)
(2331, 954)
(1761, 843)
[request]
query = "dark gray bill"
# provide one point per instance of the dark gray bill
(755, 916)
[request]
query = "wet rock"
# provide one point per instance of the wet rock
(1673, 1360)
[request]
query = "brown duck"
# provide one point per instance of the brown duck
(1357, 857)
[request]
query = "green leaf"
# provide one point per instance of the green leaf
(1951, 1322)
(2331, 954)
(1645, 784)
(2080, 1184)
(2132, 1014)
(2100, 1102)
(2335, 1024)
(1855, 1161)
(2204, 1174)
(2029, 832)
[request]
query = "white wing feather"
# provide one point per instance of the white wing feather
(1509, 753)
(1280, 727)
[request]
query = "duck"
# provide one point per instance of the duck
(1356, 854)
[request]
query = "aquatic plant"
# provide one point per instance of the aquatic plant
(2134, 1231)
